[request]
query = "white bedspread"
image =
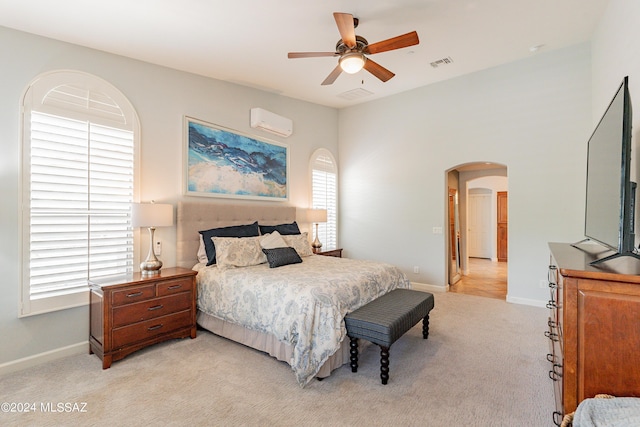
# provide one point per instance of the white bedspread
(301, 304)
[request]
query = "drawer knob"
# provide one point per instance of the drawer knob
(154, 328)
(133, 295)
(170, 288)
(155, 307)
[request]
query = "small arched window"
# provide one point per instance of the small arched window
(324, 190)
(78, 177)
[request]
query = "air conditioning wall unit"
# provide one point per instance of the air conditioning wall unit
(271, 122)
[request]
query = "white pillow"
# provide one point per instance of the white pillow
(238, 251)
(202, 253)
(299, 242)
(272, 241)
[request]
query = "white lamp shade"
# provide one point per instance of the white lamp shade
(152, 215)
(352, 62)
(317, 215)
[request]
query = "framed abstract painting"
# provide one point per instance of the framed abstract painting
(221, 162)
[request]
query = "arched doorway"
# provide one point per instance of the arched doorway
(477, 234)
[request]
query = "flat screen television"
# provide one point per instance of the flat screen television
(610, 199)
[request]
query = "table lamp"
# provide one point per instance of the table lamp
(316, 216)
(151, 215)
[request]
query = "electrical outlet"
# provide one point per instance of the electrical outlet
(158, 248)
(437, 230)
(416, 269)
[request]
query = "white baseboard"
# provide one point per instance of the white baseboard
(47, 356)
(514, 300)
(527, 301)
(428, 288)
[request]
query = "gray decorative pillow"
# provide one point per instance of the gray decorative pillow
(278, 257)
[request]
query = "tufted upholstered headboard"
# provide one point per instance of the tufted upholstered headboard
(194, 216)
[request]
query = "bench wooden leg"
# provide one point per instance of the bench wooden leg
(425, 327)
(354, 354)
(384, 364)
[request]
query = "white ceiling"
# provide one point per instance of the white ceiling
(246, 41)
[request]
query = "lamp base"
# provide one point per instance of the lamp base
(152, 265)
(316, 244)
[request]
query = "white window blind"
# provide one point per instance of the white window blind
(81, 190)
(325, 195)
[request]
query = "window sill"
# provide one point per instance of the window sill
(48, 304)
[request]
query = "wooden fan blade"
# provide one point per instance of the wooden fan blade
(399, 42)
(346, 28)
(310, 54)
(378, 70)
(332, 76)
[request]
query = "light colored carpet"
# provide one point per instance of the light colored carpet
(483, 365)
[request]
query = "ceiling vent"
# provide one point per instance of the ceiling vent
(443, 61)
(358, 93)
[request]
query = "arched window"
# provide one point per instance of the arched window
(324, 190)
(78, 175)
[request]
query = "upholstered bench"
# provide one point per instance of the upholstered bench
(384, 320)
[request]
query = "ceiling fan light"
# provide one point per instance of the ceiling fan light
(352, 62)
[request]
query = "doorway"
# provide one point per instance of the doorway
(477, 234)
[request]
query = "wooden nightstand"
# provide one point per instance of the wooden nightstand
(128, 313)
(329, 252)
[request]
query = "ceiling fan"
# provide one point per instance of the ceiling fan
(352, 50)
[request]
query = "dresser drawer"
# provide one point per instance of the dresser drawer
(157, 307)
(170, 287)
(150, 328)
(131, 295)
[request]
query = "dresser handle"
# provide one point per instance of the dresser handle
(551, 323)
(155, 307)
(553, 285)
(170, 288)
(135, 294)
(551, 304)
(553, 375)
(557, 418)
(153, 328)
(551, 358)
(551, 335)
(558, 371)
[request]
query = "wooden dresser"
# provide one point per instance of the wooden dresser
(128, 313)
(329, 252)
(594, 326)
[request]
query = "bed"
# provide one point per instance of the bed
(295, 311)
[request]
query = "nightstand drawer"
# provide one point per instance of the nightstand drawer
(150, 328)
(128, 296)
(133, 313)
(170, 287)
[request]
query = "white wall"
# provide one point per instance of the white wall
(615, 55)
(533, 116)
(161, 98)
